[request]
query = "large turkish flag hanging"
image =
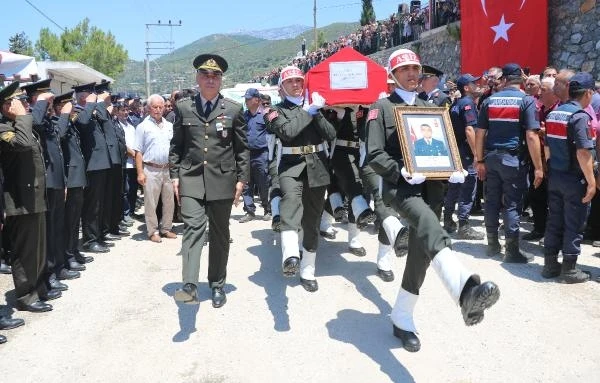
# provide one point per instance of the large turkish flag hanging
(496, 32)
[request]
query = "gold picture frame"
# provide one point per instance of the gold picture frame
(427, 141)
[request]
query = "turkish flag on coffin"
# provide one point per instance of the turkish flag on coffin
(496, 32)
(347, 77)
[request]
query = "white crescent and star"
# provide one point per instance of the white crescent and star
(485, 8)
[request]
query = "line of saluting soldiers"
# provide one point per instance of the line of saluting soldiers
(62, 159)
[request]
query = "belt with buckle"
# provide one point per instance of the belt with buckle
(306, 149)
(152, 164)
(347, 144)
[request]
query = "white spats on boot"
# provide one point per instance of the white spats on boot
(402, 313)
(326, 223)
(275, 206)
(385, 257)
(359, 204)
(453, 274)
(353, 232)
(391, 226)
(307, 265)
(289, 244)
(335, 199)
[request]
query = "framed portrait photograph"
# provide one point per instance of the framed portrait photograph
(427, 141)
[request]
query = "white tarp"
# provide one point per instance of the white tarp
(12, 64)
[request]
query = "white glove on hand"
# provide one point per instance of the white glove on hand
(458, 177)
(317, 103)
(413, 179)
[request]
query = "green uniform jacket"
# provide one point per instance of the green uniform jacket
(209, 155)
(384, 154)
(23, 167)
(295, 127)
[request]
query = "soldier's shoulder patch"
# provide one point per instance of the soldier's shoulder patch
(360, 113)
(273, 115)
(467, 107)
(373, 113)
(7, 136)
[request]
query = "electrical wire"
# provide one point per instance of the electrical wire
(46, 16)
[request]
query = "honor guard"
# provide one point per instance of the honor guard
(209, 167)
(428, 242)
(303, 172)
(570, 141)
(24, 201)
(507, 127)
(430, 80)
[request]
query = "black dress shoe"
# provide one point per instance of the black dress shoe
(10, 323)
(401, 243)
(4, 268)
(326, 234)
(2, 339)
(95, 247)
(291, 266)
(35, 307)
(340, 215)
(218, 297)
(83, 259)
(73, 265)
(126, 223)
(187, 294)
(65, 274)
(51, 295)
(358, 251)
(366, 217)
(110, 237)
(276, 223)
(121, 233)
(55, 284)
(385, 275)
(409, 339)
(106, 244)
(476, 299)
(309, 285)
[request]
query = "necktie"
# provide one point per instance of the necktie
(208, 109)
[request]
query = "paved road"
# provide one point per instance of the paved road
(119, 322)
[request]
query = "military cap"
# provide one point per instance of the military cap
(102, 87)
(89, 88)
(466, 79)
(582, 80)
(251, 92)
(429, 71)
(10, 91)
(114, 98)
(62, 98)
(210, 62)
(39, 86)
(512, 69)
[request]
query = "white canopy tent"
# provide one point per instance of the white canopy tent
(15, 67)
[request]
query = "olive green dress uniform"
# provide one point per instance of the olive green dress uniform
(25, 205)
(274, 189)
(209, 155)
(426, 236)
(303, 178)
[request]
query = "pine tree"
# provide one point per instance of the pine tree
(368, 13)
(20, 44)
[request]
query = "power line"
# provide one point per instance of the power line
(46, 16)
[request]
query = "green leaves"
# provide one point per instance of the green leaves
(20, 44)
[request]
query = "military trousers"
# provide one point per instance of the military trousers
(28, 239)
(301, 208)
(345, 165)
(372, 186)
(567, 215)
(426, 237)
(197, 213)
(538, 200)
(55, 228)
(274, 189)
(463, 194)
(259, 178)
(93, 205)
(113, 201)
(73, 208)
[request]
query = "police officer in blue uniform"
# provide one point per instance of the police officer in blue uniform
(570, 141)
(430, 92)
(507, 119)
(464, 121)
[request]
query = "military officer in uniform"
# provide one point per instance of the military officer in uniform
(430, 80)
(25, 205)
(303, 172)
(570, 143)
(429, 146)
(273, 144)
(209, 167)
(428, 242)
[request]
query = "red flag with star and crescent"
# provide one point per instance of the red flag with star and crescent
(497, 32)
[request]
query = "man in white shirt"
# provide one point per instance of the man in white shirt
(152, 142)
(130, 184)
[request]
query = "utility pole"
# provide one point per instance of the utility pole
(162, 45)
(315, 24)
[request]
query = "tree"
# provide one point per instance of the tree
(88, 45)
(368, 13)
(321, 40)
(20, 44)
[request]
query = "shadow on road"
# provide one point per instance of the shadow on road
(349, 327)
(270, 278)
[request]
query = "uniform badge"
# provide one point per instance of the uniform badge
(224, 133)
(273, 115)
(373, 113)
(219, 126)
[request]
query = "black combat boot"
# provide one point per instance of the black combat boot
(493, 246)
(466, 232)
(551, 266)
(569, 272)
(513, 254)
(449, 225)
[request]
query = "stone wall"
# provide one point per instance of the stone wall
(573, 38)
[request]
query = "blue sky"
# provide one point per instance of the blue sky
(127, 19)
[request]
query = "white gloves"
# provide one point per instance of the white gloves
(413, 179)
(458, 177)
(317, 103)
(382, 95)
